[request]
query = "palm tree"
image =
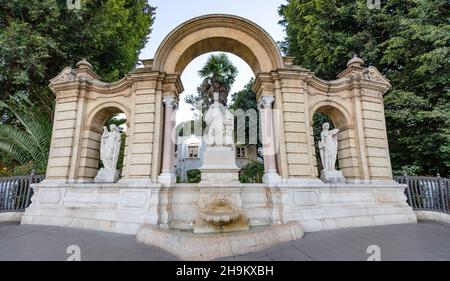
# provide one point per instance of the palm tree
(27, 138)
(218, 75)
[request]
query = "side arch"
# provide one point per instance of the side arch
(91, 138)
(340, 115)
(101, 113)
(348, 157)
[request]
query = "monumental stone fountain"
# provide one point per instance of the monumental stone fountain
(219, 203)
(219, 216)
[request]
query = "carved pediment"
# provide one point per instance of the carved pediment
(67, 75)
(372, 74)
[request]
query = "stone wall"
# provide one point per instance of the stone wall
(123, 209)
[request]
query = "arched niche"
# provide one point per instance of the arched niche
(347, 151)
(91, 138)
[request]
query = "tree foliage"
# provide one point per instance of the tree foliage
(38, 38)
(218, 75)
(253, 172)
(245, 99)
(408, 41)
(27, 140)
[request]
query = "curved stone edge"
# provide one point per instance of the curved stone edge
(433, 216)
(11, 216)
(188, 246)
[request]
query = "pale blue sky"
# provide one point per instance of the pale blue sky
(171, 13)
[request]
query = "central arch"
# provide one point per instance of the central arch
(213, 33)
(218, 32)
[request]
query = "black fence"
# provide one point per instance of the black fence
(423, 193)
(15, 192)
(427, 193)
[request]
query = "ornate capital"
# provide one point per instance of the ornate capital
(266, 102)
(170, 102)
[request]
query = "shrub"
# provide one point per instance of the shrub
(194, 176)
(253, 172)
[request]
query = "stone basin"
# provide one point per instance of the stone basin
(221, 218)
(220, 211)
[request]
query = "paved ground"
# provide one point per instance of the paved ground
(424, 241)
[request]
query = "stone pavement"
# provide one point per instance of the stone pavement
(423, 241)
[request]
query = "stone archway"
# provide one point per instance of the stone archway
(211, 33)
(218, 32)
(341, 117)
(87, 167)
(288, 96)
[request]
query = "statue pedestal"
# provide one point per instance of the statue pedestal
(219, 165)
(334, 176)
(107, 176)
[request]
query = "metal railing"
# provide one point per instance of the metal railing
(427, 193)
(15, 192)
(423, 193)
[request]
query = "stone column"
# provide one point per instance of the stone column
(167, 176)
(267, 138)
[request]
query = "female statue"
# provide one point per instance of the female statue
(215, 121)
(110, 147)
(328, 147)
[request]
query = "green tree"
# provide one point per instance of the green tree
(38, 38)
(245, 99)
(408, 41)
(218, 75)
(27, 140)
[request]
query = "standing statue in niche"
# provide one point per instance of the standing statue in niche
(220, 124)
(328, 146)
(109, 154)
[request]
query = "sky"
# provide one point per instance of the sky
(171, 13)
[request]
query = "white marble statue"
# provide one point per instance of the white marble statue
(109, 154)
(219, 156)
(328, 147)
(220, 124)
